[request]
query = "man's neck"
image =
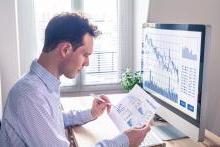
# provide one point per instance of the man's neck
(48, 61)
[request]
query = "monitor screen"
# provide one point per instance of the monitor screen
(172, 64)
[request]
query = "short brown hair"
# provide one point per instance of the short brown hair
(70, 27)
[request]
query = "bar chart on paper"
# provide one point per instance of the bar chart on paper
(169, 66)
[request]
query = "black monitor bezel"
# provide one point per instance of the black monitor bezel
(184, 27)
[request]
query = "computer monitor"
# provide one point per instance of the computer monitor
(172, 67)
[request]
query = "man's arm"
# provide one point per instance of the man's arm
(74, 117)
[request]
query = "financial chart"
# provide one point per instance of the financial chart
(136, 109)
(171, 60)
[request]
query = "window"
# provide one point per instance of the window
(44, 11)
(104, 68)
(112, 50)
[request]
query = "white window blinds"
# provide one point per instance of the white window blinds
(104, 62)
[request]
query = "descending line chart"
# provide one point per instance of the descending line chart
(163, 64)
(170, 64)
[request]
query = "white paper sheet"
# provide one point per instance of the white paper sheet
(135, 109)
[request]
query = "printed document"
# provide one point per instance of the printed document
(135, 109)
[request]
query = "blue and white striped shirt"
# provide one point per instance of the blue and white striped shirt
(32, 115)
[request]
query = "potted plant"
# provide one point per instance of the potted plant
(129, 79)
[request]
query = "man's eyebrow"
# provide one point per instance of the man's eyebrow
(87, 53)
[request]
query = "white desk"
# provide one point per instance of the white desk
(103, 127)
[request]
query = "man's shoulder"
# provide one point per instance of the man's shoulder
(24, 97)
(27, 92)
(29, 84)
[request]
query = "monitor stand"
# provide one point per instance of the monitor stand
(167, 132)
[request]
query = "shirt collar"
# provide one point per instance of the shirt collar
(50, 80)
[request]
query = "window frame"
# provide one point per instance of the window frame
(126, 58)
(126, 45)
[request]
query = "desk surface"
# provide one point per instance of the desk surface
(103, 127)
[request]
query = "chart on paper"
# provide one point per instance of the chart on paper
(135, 109)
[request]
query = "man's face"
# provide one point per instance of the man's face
(74, 61)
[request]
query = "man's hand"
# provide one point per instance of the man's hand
(99, 106)
(136, 135)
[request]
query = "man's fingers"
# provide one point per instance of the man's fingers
(103, 103)
(108, 108)
(144, 128)
(102, 106)
(105, 98)
(141, 127)
(151, 123)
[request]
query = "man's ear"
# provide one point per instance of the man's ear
(64, 48)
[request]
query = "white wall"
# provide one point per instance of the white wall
(140, 17)
(197, 12)
(126, 46)
(27, 36)
(17, 41)
(9, 55)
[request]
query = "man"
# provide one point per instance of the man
(32, 115)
